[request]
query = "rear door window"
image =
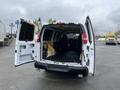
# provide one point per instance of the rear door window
(26, 32)
(89, 34)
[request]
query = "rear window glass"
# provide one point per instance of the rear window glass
(47, 35)
(73, 35)
(26, 32)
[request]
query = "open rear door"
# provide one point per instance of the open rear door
(90, 46)
(25, 43)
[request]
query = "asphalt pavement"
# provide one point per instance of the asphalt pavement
(26, 77)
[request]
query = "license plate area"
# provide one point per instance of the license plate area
(62, 68)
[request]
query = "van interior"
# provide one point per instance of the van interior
(62, 43)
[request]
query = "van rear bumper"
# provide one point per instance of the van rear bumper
(60, 68)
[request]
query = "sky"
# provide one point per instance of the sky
(104, 14)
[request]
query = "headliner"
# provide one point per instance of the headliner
(68, 28)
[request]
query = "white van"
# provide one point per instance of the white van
(60, 47)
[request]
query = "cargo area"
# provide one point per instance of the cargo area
(69, 56)
(62, 43)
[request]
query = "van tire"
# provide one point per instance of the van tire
(85, 72)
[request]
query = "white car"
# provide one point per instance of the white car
(118, 39)
(111, 40)
(60, 47)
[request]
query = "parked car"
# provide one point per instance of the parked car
(111, 38)
(61, 47)
(118, 39)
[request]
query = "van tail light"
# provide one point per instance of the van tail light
(84, 36)
(38, 37)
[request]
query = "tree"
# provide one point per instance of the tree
(51, 21)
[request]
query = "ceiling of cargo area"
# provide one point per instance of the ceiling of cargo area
(75, 28)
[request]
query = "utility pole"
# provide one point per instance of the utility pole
(11, 26)
(17, 23)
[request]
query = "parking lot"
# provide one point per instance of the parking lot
(26, 77)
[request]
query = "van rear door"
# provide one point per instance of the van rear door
(90, 46)
(25, 43)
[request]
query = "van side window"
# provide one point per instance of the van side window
(47, 35)
(89, 34)
(26, 32)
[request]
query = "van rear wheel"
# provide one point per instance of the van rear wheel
(85, 72)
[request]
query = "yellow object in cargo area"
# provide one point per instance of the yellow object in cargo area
(51, 50)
